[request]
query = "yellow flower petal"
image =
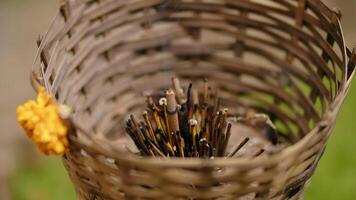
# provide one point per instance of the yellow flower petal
(43, 124)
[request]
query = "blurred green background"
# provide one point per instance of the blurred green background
(26, 175)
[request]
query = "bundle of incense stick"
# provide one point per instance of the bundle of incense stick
(182, 124)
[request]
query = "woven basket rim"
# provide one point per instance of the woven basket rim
(295, 148)
(110, 150)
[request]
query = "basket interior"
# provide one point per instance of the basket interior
(267, 56)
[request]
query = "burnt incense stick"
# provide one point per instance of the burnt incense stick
(179, 91)
(149, 126)
(173, 121)
(189, 124)
(226, 139)
(232, 154)
(205, 92)
(258, 153)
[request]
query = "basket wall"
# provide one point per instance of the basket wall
(284, 58)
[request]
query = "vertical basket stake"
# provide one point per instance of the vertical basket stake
(64, 9)
(299, 14)
(351, 65)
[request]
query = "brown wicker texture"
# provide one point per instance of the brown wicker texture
(284, 58)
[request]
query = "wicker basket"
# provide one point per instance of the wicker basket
(284, 58)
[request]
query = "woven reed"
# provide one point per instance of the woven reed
(284, 58)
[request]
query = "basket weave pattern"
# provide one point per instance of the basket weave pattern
(284, 58)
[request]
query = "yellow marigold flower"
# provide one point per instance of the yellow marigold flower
(43, 124)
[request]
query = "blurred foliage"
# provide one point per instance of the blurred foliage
(335, 177)
(46, 180)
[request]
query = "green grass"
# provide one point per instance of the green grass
(44, 181)
(335, 177)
